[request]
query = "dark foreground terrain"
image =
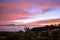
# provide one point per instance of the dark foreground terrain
(51, 32)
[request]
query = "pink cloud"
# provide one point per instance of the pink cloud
(9, 13)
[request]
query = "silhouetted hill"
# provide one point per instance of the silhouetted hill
(38, 29)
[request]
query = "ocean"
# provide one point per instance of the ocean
(14, 28)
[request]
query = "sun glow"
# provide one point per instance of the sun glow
(25, 21)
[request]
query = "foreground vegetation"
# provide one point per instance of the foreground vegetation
(51, 32)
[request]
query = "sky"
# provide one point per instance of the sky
(32, 12)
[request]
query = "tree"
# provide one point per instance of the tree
(55, 34)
